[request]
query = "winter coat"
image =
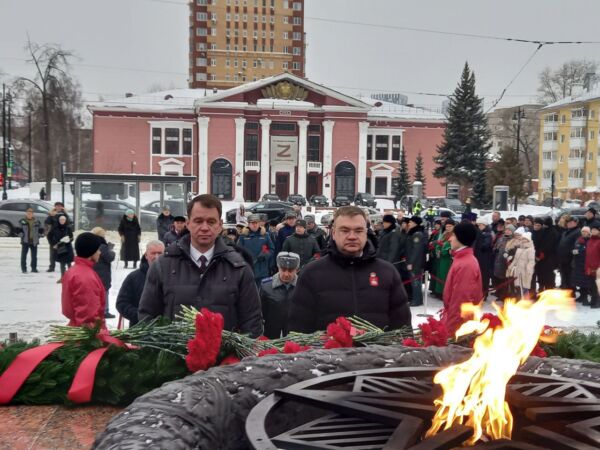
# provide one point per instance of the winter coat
(63, 250)
(103, 267)
(319, 235)
(259, 246)
(172, 236)
(592, 256)
(579, 251)
(338, 285)
(389, 244)
(163, 225)
(83, 295)
(275, 302)
(227, 287)
(500, 260)
(416, 244)
(483, 251)
(283, 233)
(130, 233)
(444, 261)
(463, 285)
(549, 246)
(304, 245)
(566, 245)
(130, 293)
(37, 230)
(522, 266)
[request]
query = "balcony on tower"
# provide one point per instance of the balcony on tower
(314, 166)
(251, 166)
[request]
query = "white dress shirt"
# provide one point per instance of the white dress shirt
(196, 254)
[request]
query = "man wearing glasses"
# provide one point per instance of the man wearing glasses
(349, 281)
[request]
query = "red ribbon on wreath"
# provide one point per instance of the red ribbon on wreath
(19, 370)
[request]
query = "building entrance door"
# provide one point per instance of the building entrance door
(282, 185)
(312, 186)
(251, 193)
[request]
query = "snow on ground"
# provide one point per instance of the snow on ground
(30, 303)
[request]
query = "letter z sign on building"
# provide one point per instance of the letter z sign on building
(284, 150)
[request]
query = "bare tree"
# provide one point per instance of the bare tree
(50, 83)
(558, 84)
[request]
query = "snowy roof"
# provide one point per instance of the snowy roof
(585, 97)
(388, 110)
(172, 99)
(276, 102)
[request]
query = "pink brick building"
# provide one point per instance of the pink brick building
(282, 134)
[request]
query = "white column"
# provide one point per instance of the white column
(363, 128)
(265, 148)
(239, 169)
(203, 169)
(327, 157)
(302, 149)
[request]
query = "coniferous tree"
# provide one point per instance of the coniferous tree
(462, 156)
(508, 172)
(419, 174)
(401, 184)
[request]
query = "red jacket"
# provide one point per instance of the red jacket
(83, 294)
(463, 285)
(592, 256)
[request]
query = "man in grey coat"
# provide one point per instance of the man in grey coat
(200, 270)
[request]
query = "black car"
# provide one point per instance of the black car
(270, 198)
(365, 199)
(177, 207)
(318, 200)
(273, 210)
(341, 200)
(108, 214)
(297, 199)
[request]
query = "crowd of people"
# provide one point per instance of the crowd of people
(271, 278)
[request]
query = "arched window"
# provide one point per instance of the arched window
(221, 178)
(345, 177)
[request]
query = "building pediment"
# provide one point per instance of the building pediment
(171, 162)
(283, 87)
(381, 167)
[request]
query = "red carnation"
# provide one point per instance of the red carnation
(204, 348)
(434, 333)
(341, 331)
(408, 342)
(293, 347)
(262, 338)
(269, 351)
(539, 351)
(229, 360)
(495, 321)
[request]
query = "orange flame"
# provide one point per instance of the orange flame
(474, 390)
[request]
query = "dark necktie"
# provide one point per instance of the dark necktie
(203, 262)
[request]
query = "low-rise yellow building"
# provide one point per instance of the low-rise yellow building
(569, 148)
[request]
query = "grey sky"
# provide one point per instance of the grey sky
(151, 36)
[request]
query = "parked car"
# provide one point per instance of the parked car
(319, 200)
(548, 202)
(108, 214)
(11, 211)
(297, 199)
(177, 207)
(365, 199)
(273, 210)
(341, 200)
(578, 213)
(271, 198)
(571, 203)
(450, 203)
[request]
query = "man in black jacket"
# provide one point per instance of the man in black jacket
(275, 293)
(302, 243)
(200, 270)
(416, 244)
(163, 223)
(131, 290)
(349, 281)
(565, 251)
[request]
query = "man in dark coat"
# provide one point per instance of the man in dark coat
(176, 232)
(103, 266)
(546, 256)
(590, 217)
(484, 253)
(565, 251)
(289, 227)
(349, 281)
(164, 223)
(302, 244)
(275, 294)
(416, 245)
(313, 230)
(200, 270)
(131, 234)
(389, 241)
(131, 290)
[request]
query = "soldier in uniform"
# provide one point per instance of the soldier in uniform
(275, 293)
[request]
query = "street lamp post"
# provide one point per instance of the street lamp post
(517, 116)
(4, 159)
